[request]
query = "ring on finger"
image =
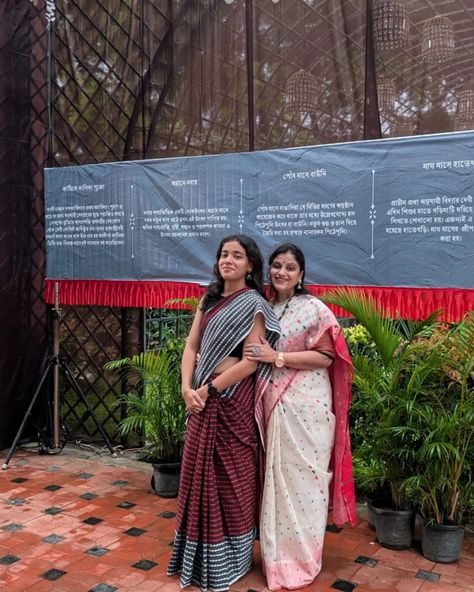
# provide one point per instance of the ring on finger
(256, 350)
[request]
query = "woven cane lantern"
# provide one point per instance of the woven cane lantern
(437, 42)
(463, 123)
(464, 119)
(390, 24)
(466, 100)
(402, 126)
(301, 93)
(386, 93)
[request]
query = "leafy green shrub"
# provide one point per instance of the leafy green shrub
(442, 419)
(386, 380)
(154, 403)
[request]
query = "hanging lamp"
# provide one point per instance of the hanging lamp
(301, 93)
(437, 40)
(402, 126)
(390, 24)
(464, 118)
(386, 93)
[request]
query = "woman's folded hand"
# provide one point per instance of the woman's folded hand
(193, 401)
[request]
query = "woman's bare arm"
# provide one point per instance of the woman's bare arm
(188, 365)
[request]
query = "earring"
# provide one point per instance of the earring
(249, 277)
(298, 287)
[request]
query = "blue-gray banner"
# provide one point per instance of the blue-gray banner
(381, 213)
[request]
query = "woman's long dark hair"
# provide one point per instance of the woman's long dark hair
(299, 256)
(254, 280)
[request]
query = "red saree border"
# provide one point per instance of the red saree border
(411, 303)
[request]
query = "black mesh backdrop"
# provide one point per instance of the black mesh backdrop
(22, 158)
(155, 78)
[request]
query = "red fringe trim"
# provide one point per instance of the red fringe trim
(408, 303)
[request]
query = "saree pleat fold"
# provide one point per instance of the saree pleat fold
(219, 479)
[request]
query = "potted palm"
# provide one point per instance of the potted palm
(155, 408)
(442, 485)
(387, 383)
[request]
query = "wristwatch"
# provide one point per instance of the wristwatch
(211, 389)
(280, 360)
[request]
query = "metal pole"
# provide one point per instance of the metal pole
(250, 81)
(56, 405)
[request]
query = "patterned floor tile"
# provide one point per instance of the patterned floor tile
(13, 527)
(145, 564)
(92, 520)
(97, 551)
(47, 530)
(53, 539)
(53, 574)
(8, 559)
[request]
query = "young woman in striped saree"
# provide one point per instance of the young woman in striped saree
(223, 393)
(308, 457)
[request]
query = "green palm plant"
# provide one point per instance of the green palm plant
(385, 385)
(191, 303)
(154, 404)
(390, 336)
(443, 485)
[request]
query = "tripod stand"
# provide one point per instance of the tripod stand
(53, 363)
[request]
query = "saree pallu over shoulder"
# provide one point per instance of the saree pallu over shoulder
(227, 324)
(218, 488)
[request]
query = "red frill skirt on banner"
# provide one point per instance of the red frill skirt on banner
(407, 303)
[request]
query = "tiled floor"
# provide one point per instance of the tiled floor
(74, 524)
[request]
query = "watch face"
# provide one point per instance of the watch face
(211, 389)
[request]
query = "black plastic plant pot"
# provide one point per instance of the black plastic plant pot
(165, 479)
(394, 528)
(442, 543)
(381, 501)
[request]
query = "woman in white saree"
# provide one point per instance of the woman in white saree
(308, 461)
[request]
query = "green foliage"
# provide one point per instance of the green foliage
(389, 335)
(359, 341)
(387, 380)
(380, 328)
(191, 303)
(412, 420)
(166, 325)
(442, 418)
(154, 403)
(365, 409)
